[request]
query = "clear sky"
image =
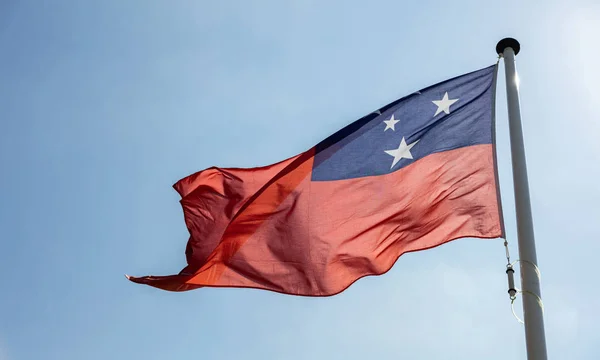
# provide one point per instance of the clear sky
(104, 105)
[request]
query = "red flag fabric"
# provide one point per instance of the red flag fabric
(352, 205)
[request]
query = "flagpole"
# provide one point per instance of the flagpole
(530, 282)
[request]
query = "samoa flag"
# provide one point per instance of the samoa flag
(413, 175)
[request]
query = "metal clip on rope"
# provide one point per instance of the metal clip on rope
(510, 272)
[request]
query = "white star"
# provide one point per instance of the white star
(444, 104)
(403, 151)
(391, 123)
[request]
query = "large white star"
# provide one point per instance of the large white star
(391, 123)
(444, 104)
(403, 151)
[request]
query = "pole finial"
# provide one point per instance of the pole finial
(508, 42)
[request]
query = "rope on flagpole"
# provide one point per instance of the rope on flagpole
(539, 299)
(512, 290)
(537, 269)
(512, 303)
(512, 307)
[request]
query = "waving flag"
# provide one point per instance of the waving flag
(410, 176)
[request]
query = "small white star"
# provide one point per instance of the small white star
(391, 123)
(444, 104)
(403, 151)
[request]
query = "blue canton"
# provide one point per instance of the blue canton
(377, 143)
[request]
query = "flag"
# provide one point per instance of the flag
(413, 175)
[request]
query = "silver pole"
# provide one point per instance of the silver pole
(530, 282)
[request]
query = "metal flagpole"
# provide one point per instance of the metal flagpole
(530, 282)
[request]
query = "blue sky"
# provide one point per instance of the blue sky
(104, 105)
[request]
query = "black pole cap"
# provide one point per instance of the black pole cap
(508, 42)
